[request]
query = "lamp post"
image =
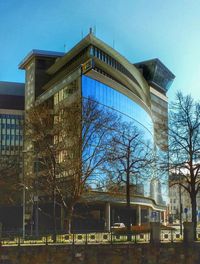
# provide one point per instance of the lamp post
(23, 210)
(23, 198)
(35, 199)
(180, 204)
(181, 209)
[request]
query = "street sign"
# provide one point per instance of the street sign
(153, 214)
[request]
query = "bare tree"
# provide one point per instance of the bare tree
(40, 154)
(10, 179)
(184, 146)
(71, 142)
(130, 156)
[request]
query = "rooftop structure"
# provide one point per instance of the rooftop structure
(156, 74)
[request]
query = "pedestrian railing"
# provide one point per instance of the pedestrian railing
(82, 238)
(171, 236)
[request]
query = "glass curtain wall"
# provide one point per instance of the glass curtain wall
(128, 111)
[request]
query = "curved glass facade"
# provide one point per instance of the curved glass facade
(129, 110)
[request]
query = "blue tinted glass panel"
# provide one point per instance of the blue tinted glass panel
(123, 105)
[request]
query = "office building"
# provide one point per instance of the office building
(11, 145)
(11, 117)
(92, 69)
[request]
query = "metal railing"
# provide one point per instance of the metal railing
(84, 238)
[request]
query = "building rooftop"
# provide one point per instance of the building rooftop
(156, 74)
(12, 95)
(119, 198)
(39, 53)
(12, 88)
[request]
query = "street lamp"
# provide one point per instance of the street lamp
(180, 203)
(35, 198)
(23, 213)
(23, 197)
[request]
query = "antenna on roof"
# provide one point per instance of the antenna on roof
(64, 47)
(90, 30)
(113, 43)
(81, 34)
(94, 30)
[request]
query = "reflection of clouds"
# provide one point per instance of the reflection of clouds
(129, 110)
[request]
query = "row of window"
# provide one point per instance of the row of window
(11, 132)
(96, 52)
(106, 74)
(162, 78)
(10, 126)
(11, 137)
(65, 92)
(11, 143)
(10, 148)
(13, 117)
(172, 200)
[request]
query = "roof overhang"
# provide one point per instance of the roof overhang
(39, 53)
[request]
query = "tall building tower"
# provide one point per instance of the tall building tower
(159, 79)
(156, 191)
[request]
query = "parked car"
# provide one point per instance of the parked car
(117, 226)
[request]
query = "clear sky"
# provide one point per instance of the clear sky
(138, 29)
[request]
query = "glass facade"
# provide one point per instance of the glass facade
(156, 72)
(129, 110)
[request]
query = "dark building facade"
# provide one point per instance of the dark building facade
(11, 145)
(11, 117)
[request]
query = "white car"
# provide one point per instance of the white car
(118, 226)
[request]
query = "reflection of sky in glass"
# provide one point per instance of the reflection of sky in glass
(130, 111)
(108, 96)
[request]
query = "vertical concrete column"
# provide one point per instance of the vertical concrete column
(139, 215)
(164, 217)
(188, 234)
(150, 210)
(155, 232)
(107, 217)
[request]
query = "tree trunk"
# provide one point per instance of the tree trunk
(54, 215)
(194, 212)
(69, 220)
(128, 203)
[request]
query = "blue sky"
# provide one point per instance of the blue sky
(140, 30)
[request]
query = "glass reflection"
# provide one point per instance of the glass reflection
(130, 112)
(128, 109)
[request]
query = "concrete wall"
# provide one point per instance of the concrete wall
(102, 254)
